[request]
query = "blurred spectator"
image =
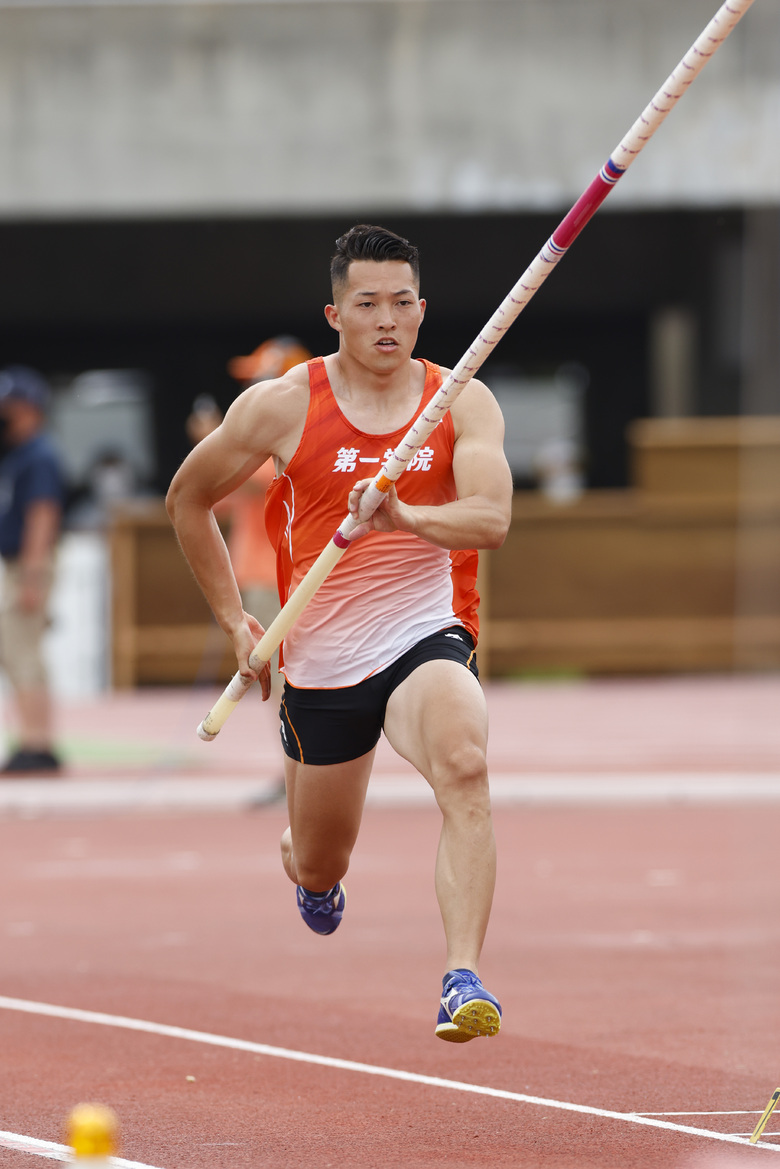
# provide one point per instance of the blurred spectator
(32, 494)
(204, 417)
(271, 359)
(251, 553)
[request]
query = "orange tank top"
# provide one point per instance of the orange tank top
(390, 589)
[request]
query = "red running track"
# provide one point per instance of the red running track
(636, 951)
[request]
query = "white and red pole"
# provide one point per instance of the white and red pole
(701, 51)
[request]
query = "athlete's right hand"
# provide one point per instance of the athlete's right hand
(244, 640)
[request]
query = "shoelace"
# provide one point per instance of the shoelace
(324, 907)
(463, 983)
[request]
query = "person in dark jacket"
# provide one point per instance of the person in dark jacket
(31, 504)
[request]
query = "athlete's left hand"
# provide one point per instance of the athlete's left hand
(390, 516)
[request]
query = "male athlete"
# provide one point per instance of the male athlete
(387, 643)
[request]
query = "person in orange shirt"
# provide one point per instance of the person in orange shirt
(387, 644)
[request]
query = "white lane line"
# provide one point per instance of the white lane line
(733, 1112)
(54, 1152)
(347, 1065)
(37, 797)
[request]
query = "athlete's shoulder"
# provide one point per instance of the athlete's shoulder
(294, 381)
(270, 415)
(287, 395)
(475, 409)
(472, 396)
(445, 373)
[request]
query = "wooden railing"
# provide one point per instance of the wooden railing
(680, 572)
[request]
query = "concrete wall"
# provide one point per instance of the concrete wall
(392, 105)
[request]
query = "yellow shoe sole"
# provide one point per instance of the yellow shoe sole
(471, 1021)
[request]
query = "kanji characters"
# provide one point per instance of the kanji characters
(422, 460)
(346, 459)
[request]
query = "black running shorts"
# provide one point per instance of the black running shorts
(334, 726)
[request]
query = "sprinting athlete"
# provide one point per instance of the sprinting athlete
(388, 641)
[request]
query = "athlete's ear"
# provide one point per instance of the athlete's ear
(422, 308)
(332, 317)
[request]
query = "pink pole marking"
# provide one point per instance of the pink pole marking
(585, 207)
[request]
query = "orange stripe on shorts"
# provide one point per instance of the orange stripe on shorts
(292, 728)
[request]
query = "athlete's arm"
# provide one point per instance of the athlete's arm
(479, 517)
(264, 421)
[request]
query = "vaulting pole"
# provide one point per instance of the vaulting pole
(700, 52)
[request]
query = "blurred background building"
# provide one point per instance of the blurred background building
(174, 175)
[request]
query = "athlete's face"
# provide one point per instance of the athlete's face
(378, 313)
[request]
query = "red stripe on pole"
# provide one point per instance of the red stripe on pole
(588, 203)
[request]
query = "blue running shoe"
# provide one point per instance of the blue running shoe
(467, 1010)
(322, 914)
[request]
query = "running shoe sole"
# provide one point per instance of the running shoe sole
(473, 1019)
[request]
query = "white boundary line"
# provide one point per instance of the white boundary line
(121, 1021)
(731, 1112)
(37, 797)
(54, 1152)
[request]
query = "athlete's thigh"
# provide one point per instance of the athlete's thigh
(325, 803)
(436, 713)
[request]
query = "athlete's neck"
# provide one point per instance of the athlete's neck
(381, 395)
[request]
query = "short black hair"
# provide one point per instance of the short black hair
(367, 242)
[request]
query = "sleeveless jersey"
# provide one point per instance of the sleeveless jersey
(390, 589)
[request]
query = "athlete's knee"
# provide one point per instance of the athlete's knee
(316, 866)
(464, 763)
(460, 776)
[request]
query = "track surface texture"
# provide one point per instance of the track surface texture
(634, 945)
